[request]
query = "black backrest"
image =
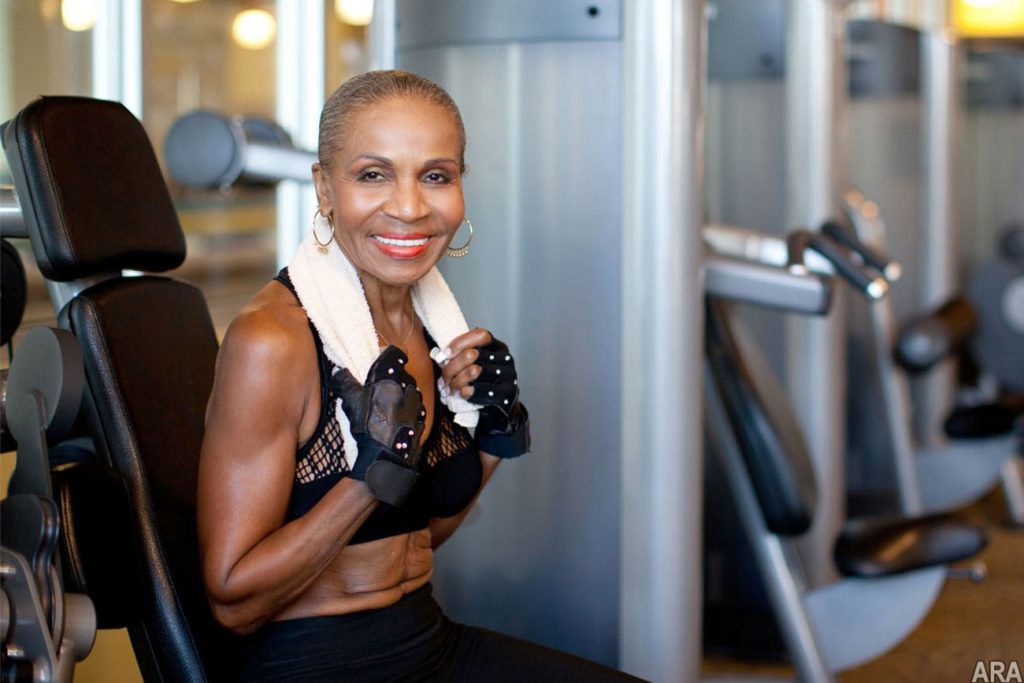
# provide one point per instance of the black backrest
(761, 416)
(95, 203)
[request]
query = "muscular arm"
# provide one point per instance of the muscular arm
(252, 565)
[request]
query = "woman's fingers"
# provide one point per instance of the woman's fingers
(460, 369)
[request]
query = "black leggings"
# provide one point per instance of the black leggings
(408, 641)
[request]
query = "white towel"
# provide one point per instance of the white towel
(331, 293)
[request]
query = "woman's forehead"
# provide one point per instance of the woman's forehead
(399, 125)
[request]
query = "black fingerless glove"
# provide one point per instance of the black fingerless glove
(386, 416)
(504, 426)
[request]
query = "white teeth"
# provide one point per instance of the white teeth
(401, 243)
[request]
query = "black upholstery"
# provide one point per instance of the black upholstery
(880, 547)
(759, 412)
(99, 555)
(933, 337)
(13, 291)
(93, 197)
(95, 203)
(978, 422)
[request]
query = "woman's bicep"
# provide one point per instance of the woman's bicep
(248, 456)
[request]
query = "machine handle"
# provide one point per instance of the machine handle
(873, 287)
(890, 269)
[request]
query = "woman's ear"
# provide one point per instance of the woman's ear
(322, 184)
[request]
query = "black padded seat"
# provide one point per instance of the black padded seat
(882, 547)
(981, 421)
(95, 204)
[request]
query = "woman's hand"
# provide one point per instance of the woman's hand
(481, 369)
(386, 416)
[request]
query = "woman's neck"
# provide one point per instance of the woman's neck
(391, 308)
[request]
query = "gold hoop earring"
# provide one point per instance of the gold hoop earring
(459, 252)
(322, 246)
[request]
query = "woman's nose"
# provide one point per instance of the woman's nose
(406, 202)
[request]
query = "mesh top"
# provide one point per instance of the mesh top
(450, 470)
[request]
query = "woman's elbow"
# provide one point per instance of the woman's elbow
(235, 618)
(232, 610)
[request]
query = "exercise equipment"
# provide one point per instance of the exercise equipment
(93, 209)
(966, 467)
(44, 628)
(893, 568)
(208, 149)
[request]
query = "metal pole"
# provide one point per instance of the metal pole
(117, 54)
(300, 97)
(12, 219)
(382, 35)
(816, 360)
(941, 58)
(662, 454)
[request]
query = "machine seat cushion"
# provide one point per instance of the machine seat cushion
(978, 422)
(882, 546)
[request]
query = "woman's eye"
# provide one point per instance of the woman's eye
(370, 176)
(437, 177)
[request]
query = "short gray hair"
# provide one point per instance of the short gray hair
(377, 86)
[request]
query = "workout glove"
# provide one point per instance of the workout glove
(386, 416)
(504, 427)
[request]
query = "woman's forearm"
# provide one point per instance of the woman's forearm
(272, 574)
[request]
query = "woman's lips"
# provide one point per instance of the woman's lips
(401, 246)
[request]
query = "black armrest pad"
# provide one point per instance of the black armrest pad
(880, 547)
(925, 341)
(978, 422)
(97, 547)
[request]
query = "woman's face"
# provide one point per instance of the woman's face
(395, 189)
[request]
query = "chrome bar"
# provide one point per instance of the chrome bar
(662, 318)
(759, 247)
(815, 99)
(760, 285)
(12, 219)
(941, 59)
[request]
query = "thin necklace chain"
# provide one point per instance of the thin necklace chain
(412, 325)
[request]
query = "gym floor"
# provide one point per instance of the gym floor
(970, 622)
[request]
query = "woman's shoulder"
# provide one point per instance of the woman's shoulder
(272, 325)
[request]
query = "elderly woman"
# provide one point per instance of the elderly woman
(355, 418)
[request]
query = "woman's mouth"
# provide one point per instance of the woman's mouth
(401, 246)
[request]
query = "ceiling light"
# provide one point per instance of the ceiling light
(354, 12)
(254, 29)
(79, 15)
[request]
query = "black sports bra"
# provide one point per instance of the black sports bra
(450, 471)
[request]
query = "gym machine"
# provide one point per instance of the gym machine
(891, 569)
(97, 215)
(45, 625)
(982, 448)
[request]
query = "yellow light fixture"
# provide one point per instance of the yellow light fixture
(254, 29)
(354, 12)
(995, 18)
(79, 15)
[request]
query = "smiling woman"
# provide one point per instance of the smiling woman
(355, 418)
